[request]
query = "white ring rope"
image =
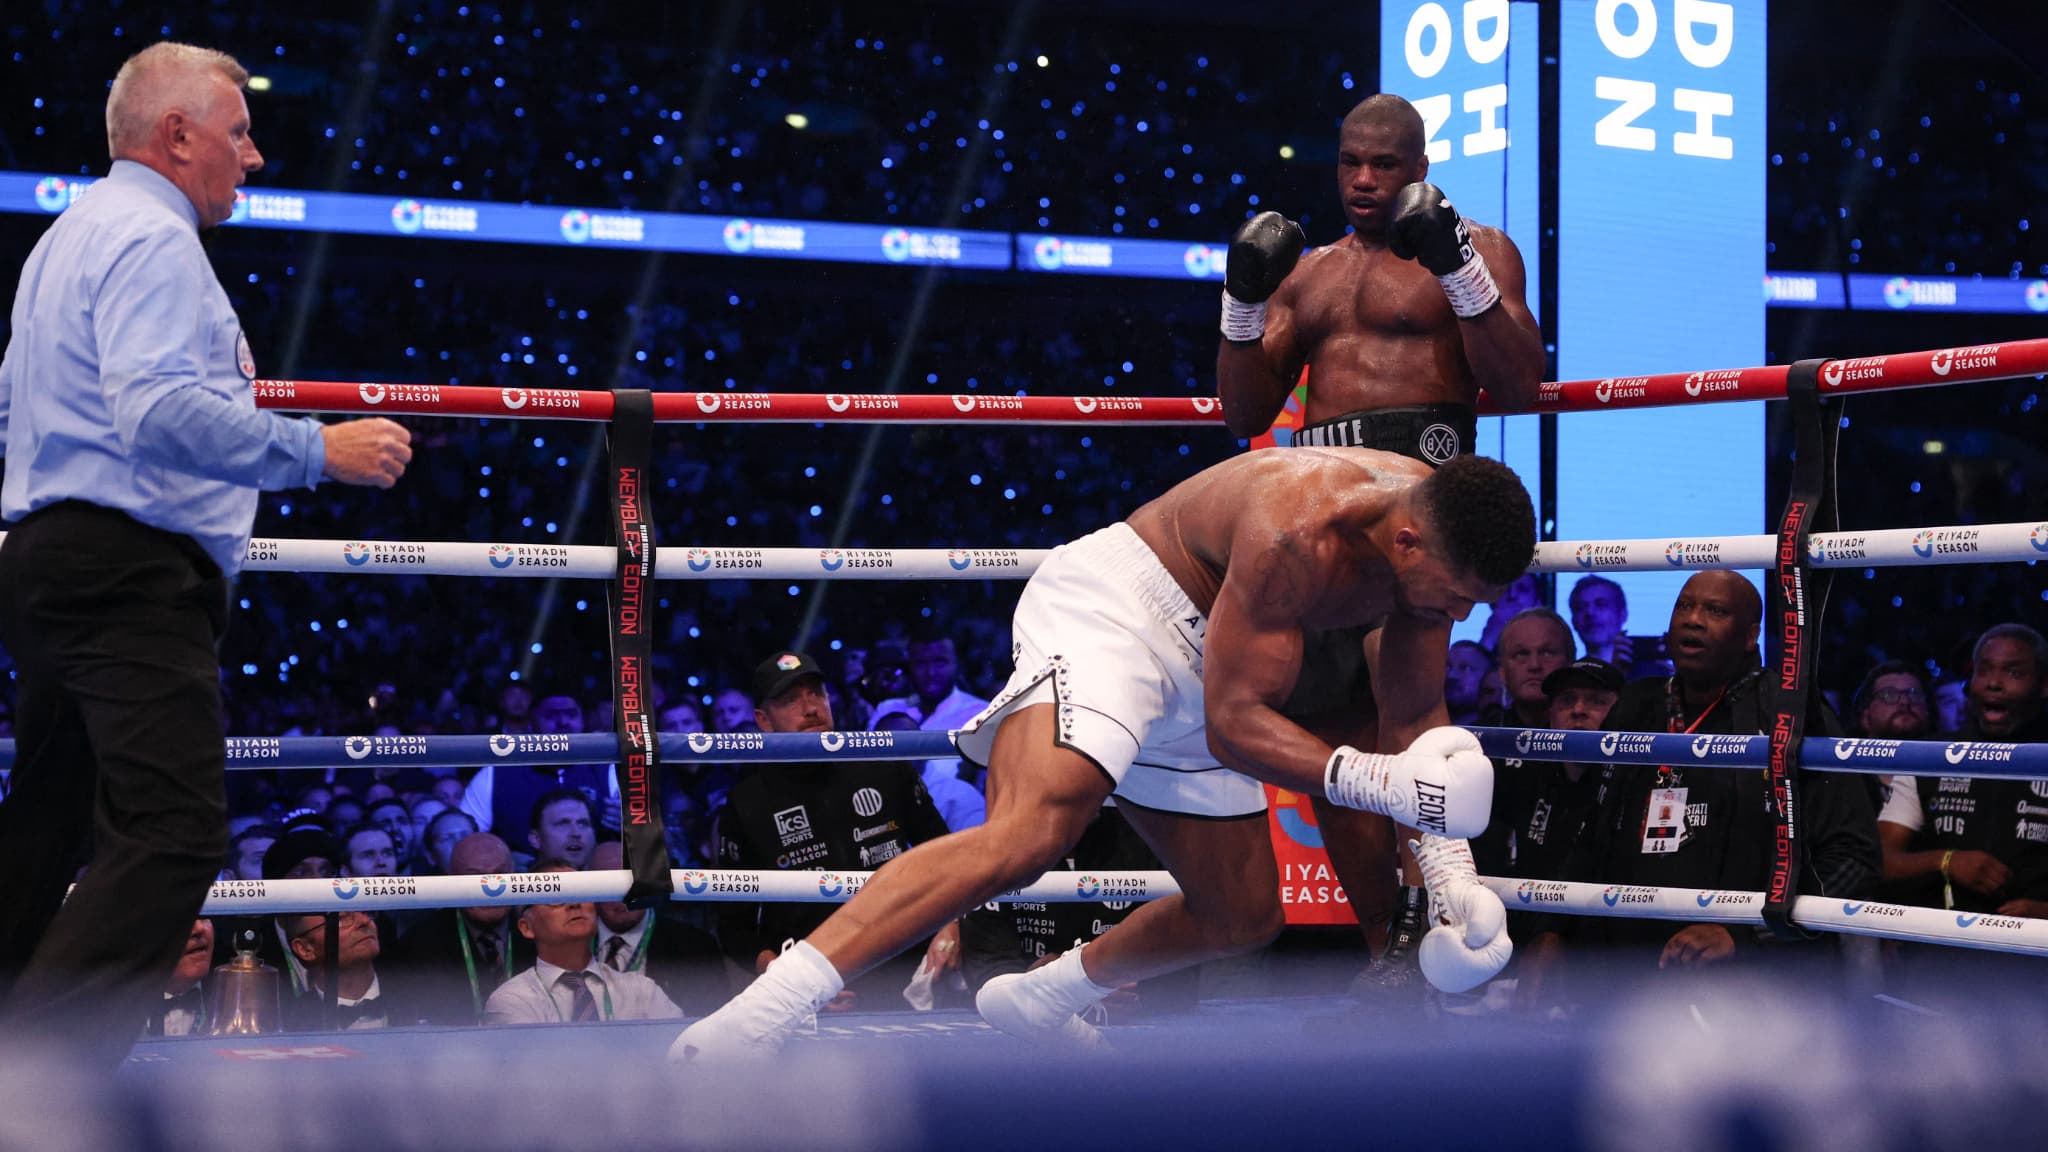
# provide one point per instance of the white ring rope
(381, 893)
(1889, 548)
(1856, 917)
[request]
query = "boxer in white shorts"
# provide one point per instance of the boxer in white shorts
(1152, 660)
(1104, 633)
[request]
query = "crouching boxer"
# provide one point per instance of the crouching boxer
(1152, 658)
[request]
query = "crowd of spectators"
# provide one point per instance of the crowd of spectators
(1055, 116)
(929, 114)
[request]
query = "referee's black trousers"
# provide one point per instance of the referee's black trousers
(114, 628)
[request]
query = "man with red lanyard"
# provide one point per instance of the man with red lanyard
(1682, 826)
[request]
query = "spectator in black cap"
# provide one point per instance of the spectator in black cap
(305, 850)
(1540, 805)
(1540, 810)
(831, 816)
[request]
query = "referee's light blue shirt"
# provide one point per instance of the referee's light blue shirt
(126, 381)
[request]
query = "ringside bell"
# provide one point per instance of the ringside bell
(245, 993)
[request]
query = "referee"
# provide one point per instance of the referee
(134, 452)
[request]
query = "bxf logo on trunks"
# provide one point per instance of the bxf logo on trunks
(1930, 542)
(1601, 555)
(255, 748)
(1621, 388)
(1618, 895)
(1836, 373)
(1964, 359)
(1540, 892)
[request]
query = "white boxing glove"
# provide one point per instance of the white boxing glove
(1443, 783)
(1468, 943)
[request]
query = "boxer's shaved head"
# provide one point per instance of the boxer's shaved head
(1387, 110)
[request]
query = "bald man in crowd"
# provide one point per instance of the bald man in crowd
(454, 959)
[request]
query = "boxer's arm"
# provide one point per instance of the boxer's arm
(1254, 646)
(1504, 345)
(1403, 695)
(1406, 659)
(1254, 378)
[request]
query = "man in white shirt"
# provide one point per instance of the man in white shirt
(674, 953)
(566, 983)
(942, 706)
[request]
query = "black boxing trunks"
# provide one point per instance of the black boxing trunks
(1431, 433)
(1334, 677)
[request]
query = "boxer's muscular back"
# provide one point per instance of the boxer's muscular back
(1374, 330)
(1318, 502)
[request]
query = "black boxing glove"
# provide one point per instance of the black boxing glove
(1426, 229)
(1262, 253)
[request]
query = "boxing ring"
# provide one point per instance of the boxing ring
(1261, 1072)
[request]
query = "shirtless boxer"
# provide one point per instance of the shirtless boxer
(1112, 696)
(1400, 324)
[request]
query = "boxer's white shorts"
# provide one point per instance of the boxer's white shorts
(1105, 634)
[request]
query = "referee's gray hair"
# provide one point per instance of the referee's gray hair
(161, 77)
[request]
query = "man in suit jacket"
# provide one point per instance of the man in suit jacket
(678, 955)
